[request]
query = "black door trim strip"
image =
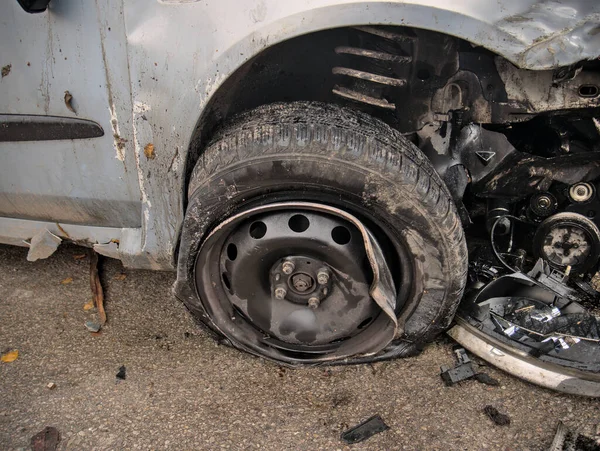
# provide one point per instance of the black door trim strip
(28, 127)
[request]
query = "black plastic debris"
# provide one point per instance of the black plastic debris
(364, 430)
(498, 418)
(464, 370)
(486, 379)
(122, 374)
(45, 440)
(566, 440)
(518, 310)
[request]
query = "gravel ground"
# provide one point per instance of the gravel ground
(185, 392)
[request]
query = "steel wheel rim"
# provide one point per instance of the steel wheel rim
(367, 333)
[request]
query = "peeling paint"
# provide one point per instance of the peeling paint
(149, 151)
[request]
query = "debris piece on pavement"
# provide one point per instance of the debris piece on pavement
(96, 287)
(51, 386)
(486, 379)
(364, 430)
(66, 281)
(92, 326)
(89, 305)
(122, 374)
(498, 418)
(45, 440)
(464, 370)
(121, 276)
(42, 245)
(78, 256)
(10, 356)
(566, 440)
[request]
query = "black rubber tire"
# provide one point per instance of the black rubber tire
(316, 148)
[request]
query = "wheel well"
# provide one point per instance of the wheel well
(302, 69)
(415, 80)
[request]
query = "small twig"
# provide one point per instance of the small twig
(96, 287)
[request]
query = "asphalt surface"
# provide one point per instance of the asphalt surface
(185, 392)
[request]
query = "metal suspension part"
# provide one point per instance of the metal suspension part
(375, 68)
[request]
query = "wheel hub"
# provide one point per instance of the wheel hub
(309, 280)
(302, 282)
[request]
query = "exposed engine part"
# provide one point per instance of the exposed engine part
(498, 169)
(581, 192)
(496, 217)
(541, 206)
(568, 240)
(479, 150)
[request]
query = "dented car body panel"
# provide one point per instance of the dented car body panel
(147, 71)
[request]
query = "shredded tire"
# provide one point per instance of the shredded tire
(311, 148)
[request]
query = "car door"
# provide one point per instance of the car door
(66, 147)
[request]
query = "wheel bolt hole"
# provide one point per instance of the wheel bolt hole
(298, 223)
(258, 229)
(341, 235)
(232, 251)
(364, 323)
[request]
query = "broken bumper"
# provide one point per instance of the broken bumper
(522, 365)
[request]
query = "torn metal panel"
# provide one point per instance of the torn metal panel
(110, 249)
(17, 231)
(42, 245)
(539, 91)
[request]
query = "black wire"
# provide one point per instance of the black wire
(500, 259)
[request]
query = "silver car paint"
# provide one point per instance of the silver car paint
(145, 70)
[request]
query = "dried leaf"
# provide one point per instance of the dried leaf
(78, 256)
(149, 151)
(66, 281)
(121, 276)
(10, 356)
(6, 70)
(89, 305)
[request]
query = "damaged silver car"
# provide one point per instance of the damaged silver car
(329, 179)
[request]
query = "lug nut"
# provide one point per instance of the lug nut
(280, 293)
(302, 282)
(323, 277)
(313, 303)
(288, 267)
